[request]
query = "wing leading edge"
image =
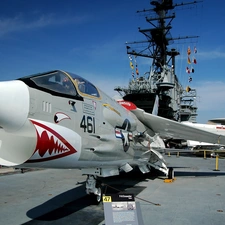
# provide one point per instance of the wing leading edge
(171, 129)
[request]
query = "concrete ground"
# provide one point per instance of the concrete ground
(58, 196)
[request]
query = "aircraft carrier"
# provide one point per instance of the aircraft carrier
(175, 102)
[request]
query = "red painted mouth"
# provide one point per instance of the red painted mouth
(50, 144)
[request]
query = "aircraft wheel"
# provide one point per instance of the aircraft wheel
(96, 198)
(171, 173)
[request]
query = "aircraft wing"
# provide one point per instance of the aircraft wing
(171, 129)
(218, 120)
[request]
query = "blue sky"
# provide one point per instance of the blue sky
(88, 38)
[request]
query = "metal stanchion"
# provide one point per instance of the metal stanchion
(217, 163)
(204, 154)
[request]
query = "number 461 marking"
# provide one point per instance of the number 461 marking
(88, 124)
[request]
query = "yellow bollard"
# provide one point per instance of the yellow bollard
(204, 154)
(168, 154)
(217, 163)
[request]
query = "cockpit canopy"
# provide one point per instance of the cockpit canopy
(62, 83)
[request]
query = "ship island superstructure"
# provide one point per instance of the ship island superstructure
(160, 84)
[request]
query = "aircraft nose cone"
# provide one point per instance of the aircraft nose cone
(14, 105)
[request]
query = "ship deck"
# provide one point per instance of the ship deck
(58, 196)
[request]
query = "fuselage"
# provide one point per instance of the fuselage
(60, 120)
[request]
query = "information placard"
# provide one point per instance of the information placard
(120, 209)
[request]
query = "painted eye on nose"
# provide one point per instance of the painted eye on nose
(60, 116)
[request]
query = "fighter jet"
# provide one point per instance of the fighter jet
(58, 119)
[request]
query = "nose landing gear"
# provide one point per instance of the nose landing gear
(94, 189)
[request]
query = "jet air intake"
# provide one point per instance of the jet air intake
(14, 105)
(17, 134)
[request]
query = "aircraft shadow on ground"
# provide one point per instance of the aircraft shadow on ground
(70, 203)
(74, 205)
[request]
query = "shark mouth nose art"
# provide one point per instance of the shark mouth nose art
(50, 144)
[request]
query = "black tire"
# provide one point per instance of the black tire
(96, 199)
(171, 173)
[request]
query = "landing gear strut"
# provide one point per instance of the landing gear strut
(94, 189)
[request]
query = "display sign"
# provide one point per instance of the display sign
(120, 209)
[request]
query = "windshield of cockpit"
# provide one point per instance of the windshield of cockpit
(85, 87)
(56, 81)
(65, 83)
